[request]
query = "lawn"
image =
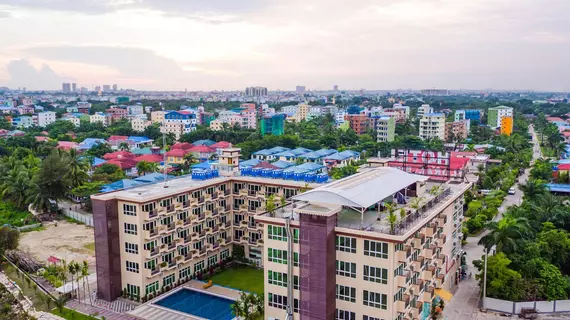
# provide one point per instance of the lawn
(14, 216)
(241, 278)
(72, 315)
(36, 295)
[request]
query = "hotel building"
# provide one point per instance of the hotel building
(333, 254)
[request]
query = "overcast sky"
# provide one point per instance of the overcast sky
(230, 44)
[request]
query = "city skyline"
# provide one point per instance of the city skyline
(173, 45)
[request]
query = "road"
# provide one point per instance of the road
(465, 302)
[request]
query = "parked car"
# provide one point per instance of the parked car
(512, 191)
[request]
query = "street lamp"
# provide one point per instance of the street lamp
(485, 281)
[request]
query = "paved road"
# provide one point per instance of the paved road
(465, 302)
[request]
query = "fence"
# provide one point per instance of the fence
(512, 307)
(81, 217)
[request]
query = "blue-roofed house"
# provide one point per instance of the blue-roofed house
(249, 163)
(206, 143)
(282, 164)
(292, 155)
(89, 143)
(152, 177)
(121, 184)
(341, 159)
(308, 167)
(268, 154)
(317, 156)
(139, 141)
(98, 161)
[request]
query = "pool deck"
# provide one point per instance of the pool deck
(151, 311)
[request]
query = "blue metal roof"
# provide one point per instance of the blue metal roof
(203, 165)
(305, 168)
(206, 142)
(152, 177)
(318, 154)
(293, 153)
(558, 187)
(249, 163)
(121, 184)
(90, 142)
(283, 164)
(343, 155)
(267, 152)
(139, 139)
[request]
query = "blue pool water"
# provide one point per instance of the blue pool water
(199, 304)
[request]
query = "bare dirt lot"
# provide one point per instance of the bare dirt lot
(67, 241)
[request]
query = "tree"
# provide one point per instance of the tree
(502, 281)
(52, 179)
(392, 218)
(533, 188)
(84, 275)
(270, 205)
(98, 150)
(145, 167)
(77, 166)
(551, 284)
(123, 146)
(16, 187)
(505, 234)
(547, 207)
(9, 239)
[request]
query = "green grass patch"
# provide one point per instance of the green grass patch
(90, 246)
(11, 215)
(72, 314)
(39, 299)
(240, 278)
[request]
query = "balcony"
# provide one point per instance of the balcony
(427, 274)
(402, 255)
(402, 279)
(171, 245)
(187, 239)
(402, 305)
(170, 208)
(187, 221)
(214, 195)
(442, 240)
(252, 193)
(201, 199)
(428, 294)
(185, 204)
(226, 192)
(428, 252)
(243, 192)
(429, 230)
(202, 233)
(201, 252)
(417, 243)
(417, 264)
(442, 221)
(215, 212)
(439, 280)
(244, 239)
(170, 226)
(152, 253)
(162, 229)
(187, 257)
(416, 286)
(201, 217)
(440, 259)
(415, 309)
(244, 223)
(149, 234)
(151, 214)
(152, 272)
(209, 247)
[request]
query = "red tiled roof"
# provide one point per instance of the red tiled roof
(201, 149)
(182, 145)
(457, 163)
(150, 158)
(113, 138)
(176, 153)
(41, 138)
(119, 155)
(221, 144)
(123, 163)
(67, 145)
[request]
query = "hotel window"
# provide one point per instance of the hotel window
(199, 266)
(150, 265)
(149, 226)
(277, 278)
(400, 294)
(182, 215)
(276, 255)
(197, 211)
(182, 198)
(225, 254)
(212, 261)
(132, 266)
(165, 202)
(133, 290)
(347, 269)
(276, 233)
(345, 293)
(277, 301)
(184, 273)
(399, 247)
(130, 209)
(131, 228)
(149, 245)
(131, 248)
(168, 257)
(374, 274)
(168, 280)
(344, 315)
(400, 270)
(346, 244)
(376, 249)
(151, 288)
(296, 284)
(376, 300)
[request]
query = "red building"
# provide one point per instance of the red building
(359, 123)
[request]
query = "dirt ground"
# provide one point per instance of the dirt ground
(67, 241)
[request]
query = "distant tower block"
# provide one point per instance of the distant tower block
(228, 161)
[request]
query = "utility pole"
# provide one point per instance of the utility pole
(483, 308)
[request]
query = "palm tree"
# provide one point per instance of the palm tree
(505, 234)
(242, 307)
(85, 274)
(549, 208)
(392, 218)
(403, 214)
(78, 272)
(145, 167)
(16, 187)
(416, 202)
(78, 167)
(72, 271)
(123, 146)
(60, 303)
(533, 188)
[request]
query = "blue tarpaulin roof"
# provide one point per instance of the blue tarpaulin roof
(203, 165)
(140, 139)
(204, 143)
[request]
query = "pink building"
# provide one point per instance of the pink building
(118, 114)
(26, 110)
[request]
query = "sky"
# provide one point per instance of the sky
(278, 44)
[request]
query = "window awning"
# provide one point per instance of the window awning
(444, 294)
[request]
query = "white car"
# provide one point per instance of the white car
(512, 191)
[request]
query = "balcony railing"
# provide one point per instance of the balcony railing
(412, 219)
(152, 272)
(151, 233)
(152, 214)
(170, 208)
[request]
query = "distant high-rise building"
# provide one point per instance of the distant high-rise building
(255, 91)
(83, 90)
(300, 89)
(97, 89)
(273, 124)
(74, 87)
(435, 92)
(115, 88)
(335, 87)
(66, 87)
(106, 88)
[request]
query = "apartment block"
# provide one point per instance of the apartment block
(333, 254)
(424, 109)
(157, 116)
(139, 124)
(432, 125)
(154, 237)
(359, 123)
(469, 114)
(385, 128)
(45, 118)
(495, 115)
(507, 125)
(457, 130)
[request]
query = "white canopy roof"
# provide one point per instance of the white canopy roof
(363, 189)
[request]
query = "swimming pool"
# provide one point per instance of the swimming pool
(198, 304)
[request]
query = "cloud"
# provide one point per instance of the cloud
(4, 15)
(24, 74)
